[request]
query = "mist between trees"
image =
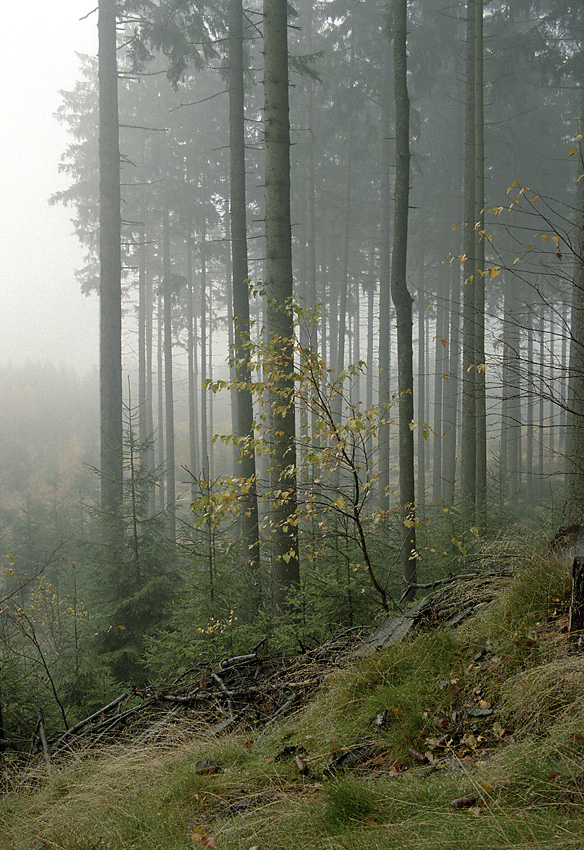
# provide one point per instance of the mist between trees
(338, 251)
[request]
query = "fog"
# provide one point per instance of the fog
(43, 316)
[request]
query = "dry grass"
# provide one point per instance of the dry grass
(528, 787)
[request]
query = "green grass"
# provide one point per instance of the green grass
(521, 763)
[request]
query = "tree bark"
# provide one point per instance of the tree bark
(450, 396)
(279, 285)
(403, 304)
(421, 400)
(384, 364)
(480, 372)
(469, 360)
(110, 266)
(575, 459)
(244, 403)
(167, 284)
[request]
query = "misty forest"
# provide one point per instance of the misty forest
(338, 247)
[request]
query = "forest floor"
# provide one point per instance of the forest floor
(467, 732)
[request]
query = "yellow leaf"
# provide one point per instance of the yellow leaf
(556, 239)
(572, 152)
(494, 271)
(455, 227)
(10, 573)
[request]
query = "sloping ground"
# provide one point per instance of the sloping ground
(468, 737)
(258, 688)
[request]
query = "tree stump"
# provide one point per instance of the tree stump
(576, 624)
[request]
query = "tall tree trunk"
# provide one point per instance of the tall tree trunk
(384, 364)
(440, 370)
(479, 284)
(421, 400)
(160, 445)
(168, 380)
(110, 345)
(450, 396)
(542, 392)
(205, 443)
(145, 424)
(530, 404)
(344, 276)
(468, 446)
(249, 514)
(403, 302)
(575, 454)
(194, 460)
(279, 285)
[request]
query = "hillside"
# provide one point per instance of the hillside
(456, 737)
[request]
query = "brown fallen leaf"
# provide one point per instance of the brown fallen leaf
(206, 840)
(418, 756)
(464, 802)
(301, 765)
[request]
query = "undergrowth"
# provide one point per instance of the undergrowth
(464, 738)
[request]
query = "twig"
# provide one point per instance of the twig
(92, 717)
(282, 710)
(43, 737)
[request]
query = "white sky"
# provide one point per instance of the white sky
(43, 316)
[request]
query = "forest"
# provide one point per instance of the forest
(338, 250)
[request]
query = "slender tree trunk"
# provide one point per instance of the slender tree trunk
(421, 429)
(403, 302)
(168, 380)
(384, 365)
(575, 458)
(451, 392)
(142, 395)
(160, 445)
(145, 363)
(110, 266)
(241, 322)
(149, 402)
(440, 369)
(479, 286)
(356, 353)
(344, 276)
(211, 397)
(194, 461)
(205, 464)
(529, 414)
(469, 361)
(279, 285)
(541, 417)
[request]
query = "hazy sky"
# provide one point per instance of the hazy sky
(43, 316)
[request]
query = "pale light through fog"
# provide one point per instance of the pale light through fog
(43, 316)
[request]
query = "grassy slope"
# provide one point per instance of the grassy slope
(522, 762)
